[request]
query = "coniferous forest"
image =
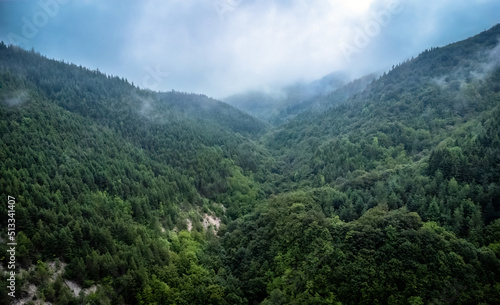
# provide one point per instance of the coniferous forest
(130, 196)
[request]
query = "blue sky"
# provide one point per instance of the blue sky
(221, 47)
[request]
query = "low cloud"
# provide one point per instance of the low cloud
(222, 47)
(269, 44)
(17, 98)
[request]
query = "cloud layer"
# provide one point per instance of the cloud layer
(220, 47)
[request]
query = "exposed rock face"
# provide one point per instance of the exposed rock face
(209, 220)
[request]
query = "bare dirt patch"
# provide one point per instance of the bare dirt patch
(209, 220)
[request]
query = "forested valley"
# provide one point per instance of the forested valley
(391, 195)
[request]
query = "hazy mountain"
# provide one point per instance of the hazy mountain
(325, 100)
(282, 104)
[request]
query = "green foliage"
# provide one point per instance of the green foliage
(391, 197)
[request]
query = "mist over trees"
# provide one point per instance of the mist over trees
(388, 195)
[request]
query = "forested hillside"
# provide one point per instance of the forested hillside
(390, 196)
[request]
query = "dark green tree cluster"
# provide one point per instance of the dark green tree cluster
(297, 255)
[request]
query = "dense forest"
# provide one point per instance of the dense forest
(388, 195)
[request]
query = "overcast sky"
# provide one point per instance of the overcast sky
(221, 47)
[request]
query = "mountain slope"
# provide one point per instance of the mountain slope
(425, 98)
(171, 126)
(106, 175)
(94, 93)
(421, 139)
